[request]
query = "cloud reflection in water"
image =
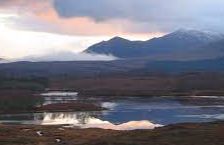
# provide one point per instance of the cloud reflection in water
(84, 120)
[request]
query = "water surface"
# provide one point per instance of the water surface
(126, 113)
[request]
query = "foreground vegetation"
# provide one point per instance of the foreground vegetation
(181, 134)
(18, 101)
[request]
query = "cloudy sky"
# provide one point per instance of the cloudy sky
(38, 27)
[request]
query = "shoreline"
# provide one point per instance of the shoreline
(138, 93)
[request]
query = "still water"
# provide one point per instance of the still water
(126, 113)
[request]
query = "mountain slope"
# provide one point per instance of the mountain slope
(211, 50)
(216, 47)
(164, 47)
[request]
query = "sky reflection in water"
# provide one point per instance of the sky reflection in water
(128, 113)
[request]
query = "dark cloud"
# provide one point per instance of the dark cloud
(165, 14)
(108, 9)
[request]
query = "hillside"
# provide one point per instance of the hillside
(117, 67)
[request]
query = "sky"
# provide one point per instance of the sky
(41, 27)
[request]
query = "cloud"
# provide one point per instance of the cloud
(17, 43)
(23, 3)
(4, 3)
(114, 17)
(67, 56)
(101, 10)
(156, 14)
(42, 16)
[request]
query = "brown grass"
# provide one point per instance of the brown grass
(181, 134)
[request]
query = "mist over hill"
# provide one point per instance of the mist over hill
(66, 56)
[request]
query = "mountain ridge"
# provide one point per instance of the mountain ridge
(170, 45)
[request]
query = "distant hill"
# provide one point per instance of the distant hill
(122, 67)
(213, 65)
(166, 47)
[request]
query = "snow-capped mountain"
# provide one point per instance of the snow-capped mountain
(178, 42)
(202, 36)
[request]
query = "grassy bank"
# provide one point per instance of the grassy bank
(180, 134)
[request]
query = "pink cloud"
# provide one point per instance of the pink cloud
(41, 16)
